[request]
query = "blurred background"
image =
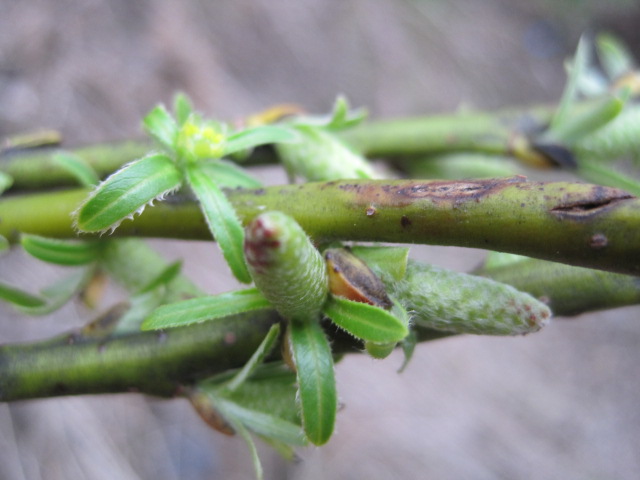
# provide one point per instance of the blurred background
(561, 404)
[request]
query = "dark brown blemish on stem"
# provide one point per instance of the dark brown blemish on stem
(596, 200)
(405, 221)
(406, 193)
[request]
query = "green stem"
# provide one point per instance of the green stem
(489, 132)
(568, 290)
(573, 223)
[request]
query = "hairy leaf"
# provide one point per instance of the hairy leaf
(221, 218)
(365, 321)
(127, 192)
(202, 309)
(161, 126)
(316, 379)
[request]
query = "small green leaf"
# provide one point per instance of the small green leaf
(5, 182)
(166, 276)
(365, 321)
(614, 56)
(577, 68)
(182, 108)
(61, 252)
(316, 379)
(252, 137)
(229, 175)
(161, 127)
(78, 168)
(408, 347)
(19, 297)
(263, 423)
(60, 292)
(127, 191)
(379, 350)
(606, 174)
(342, 118)
(221, 218)
(384, 260)
(580, 124)
(201, 309)
(256, 359)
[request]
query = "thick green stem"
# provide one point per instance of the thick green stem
(151, 362)
(568, 290)
(577, 224)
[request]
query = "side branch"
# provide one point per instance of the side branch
(573, 223)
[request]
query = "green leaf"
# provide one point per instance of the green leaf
(365, 321)
(127, 191)
(161, 126)
(166, 276)
(614, 56)
(578, 66)
(580, 124)
(61, 252)
(603, 174)
(384, 260)
(201, 309)
(221, 218)
(78, 168)
(59, 293)
(408, 347)
(246, 436)
(256, 359)
(19, 297)
(263, 423)
(182, 108)
(342, 118)
(5, 182)
(50, 298)
(252, 137)
(316, 380)
(229, 175)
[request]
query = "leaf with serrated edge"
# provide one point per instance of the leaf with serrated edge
(221, 219)
(127, 191)
(60, 252)
(316, 379)
(159, 124)
(78, 168)
(252, 137)
(365, 321)
(202, 309)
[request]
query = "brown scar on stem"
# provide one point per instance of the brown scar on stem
(438, 191)
(598, 200)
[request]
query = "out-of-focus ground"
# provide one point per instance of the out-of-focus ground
(561, 404)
